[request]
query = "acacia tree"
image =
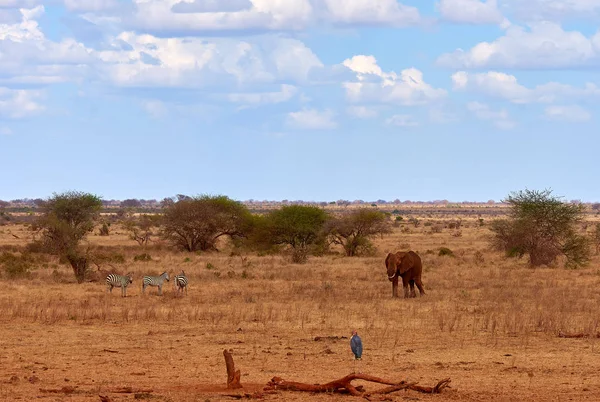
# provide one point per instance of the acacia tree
(196, 223)
(543, 227)
(296, 226)
(353, 230)
(65, 221)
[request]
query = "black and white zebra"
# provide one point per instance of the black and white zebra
(155, 281)
(118, 281)
(181, 282)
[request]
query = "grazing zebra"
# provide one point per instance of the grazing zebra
(155, 281)
(119, 281)
(181, 282)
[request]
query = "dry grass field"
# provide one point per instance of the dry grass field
(489, 323)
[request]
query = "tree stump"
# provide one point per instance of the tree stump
(233, 375)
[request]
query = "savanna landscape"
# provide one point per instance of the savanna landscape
(499, 328)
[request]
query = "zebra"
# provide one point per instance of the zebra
(119, 281)
(181, 282)
(155, 281)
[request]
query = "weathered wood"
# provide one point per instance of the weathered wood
(130, 390)
(344, 385)
(578, 335)
(233, 376)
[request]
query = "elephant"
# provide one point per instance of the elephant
(407, 265)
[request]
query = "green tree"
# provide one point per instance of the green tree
(65, 221)
(196, 223)
(542, 226)
(353, 230)
(299, 227)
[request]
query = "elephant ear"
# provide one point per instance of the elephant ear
(406, 262)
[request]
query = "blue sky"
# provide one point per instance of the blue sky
(299, 99)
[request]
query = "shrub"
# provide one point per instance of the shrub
(196, 223)
(142, 257)
(16, 266)
(542, 226)
(353, 231)
(445, 251)
(66, 220)
(104, 230)
(298, 227)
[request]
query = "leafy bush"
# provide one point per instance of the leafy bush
(142, 257)
(542, 226)
(298, 227)
(445, 251)
(66, 220)
(104, 231)
(196, 223)
(353, 231)
(16, 266)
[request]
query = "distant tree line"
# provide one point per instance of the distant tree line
(540, 226)
(197, 223)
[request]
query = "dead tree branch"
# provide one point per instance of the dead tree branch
(344, 385)
(233, 376)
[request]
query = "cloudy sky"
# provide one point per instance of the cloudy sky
(299, 99)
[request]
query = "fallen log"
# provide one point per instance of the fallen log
(130, 390)
(344, 385)
(578, 335)
(63, 390)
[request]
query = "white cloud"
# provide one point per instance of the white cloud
(19, 103)
(401, 120)
(90, 5)
(155, 108)
(573, 114)
(442, 117)
(499, 118)
(311, 119)
(470, 11)
(381, 12)
(211, 6)
(28, 57)
(505, 86)
(362, 112)
(185, 17)
(374, 85)
(286, 93)
(265, 15)
(544, 45)
(19, 3)
(195, 62)
(554, 9)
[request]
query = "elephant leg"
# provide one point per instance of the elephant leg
(412, 288)
(405, 287)
(395, 287)
(420, 286)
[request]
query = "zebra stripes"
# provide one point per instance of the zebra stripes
(155, 281)
(181, 282)
(118, 281)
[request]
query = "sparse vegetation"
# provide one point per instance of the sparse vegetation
(141, 228)
(483, 315)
